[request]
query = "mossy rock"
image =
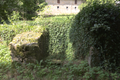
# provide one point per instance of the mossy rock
(29, 47)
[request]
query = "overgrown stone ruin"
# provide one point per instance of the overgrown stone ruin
(29, 47)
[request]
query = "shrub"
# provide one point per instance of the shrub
(58, 32)
(97, 25)
(58, 27)
(86, 2)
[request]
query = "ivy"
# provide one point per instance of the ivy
(58, 32)
(97, 25)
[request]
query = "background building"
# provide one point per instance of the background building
(57, 7)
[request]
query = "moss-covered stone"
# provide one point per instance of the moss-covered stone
(29, 47)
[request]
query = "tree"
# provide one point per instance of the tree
(29, 8)
(26, 8)
(6, 7)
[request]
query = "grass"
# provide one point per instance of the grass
(58, 70)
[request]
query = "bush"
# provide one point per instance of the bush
(97, 25)
(87, 2)
(58, 32)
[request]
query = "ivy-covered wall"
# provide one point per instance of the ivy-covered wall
(58, 42)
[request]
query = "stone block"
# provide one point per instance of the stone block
(29, 47)
(93, 57)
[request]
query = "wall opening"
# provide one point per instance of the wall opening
(58, 1)
(67, 7)
(57, 7)
(75, 1)
(75, 8)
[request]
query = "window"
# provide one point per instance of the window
(75, 7)
(57, 7)
(75, 1)
(58, 1)
(67, 7)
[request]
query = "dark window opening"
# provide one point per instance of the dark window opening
(75, 7)
(67, 7)
(75, 1)
(58, 1)
(57, 7)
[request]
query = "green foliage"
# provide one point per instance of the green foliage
(97, 25)
(29, 7)
(66, 71)
(87, 2)
(70, 52)
(58, 27)
(58, 32)
(15, 16)
(6, 7)
(96, 74)
(5, 55)
(26, 8)
(7, 32)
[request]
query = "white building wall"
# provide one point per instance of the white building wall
(63, 2)
(64, 7)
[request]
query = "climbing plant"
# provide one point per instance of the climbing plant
(97, 25)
